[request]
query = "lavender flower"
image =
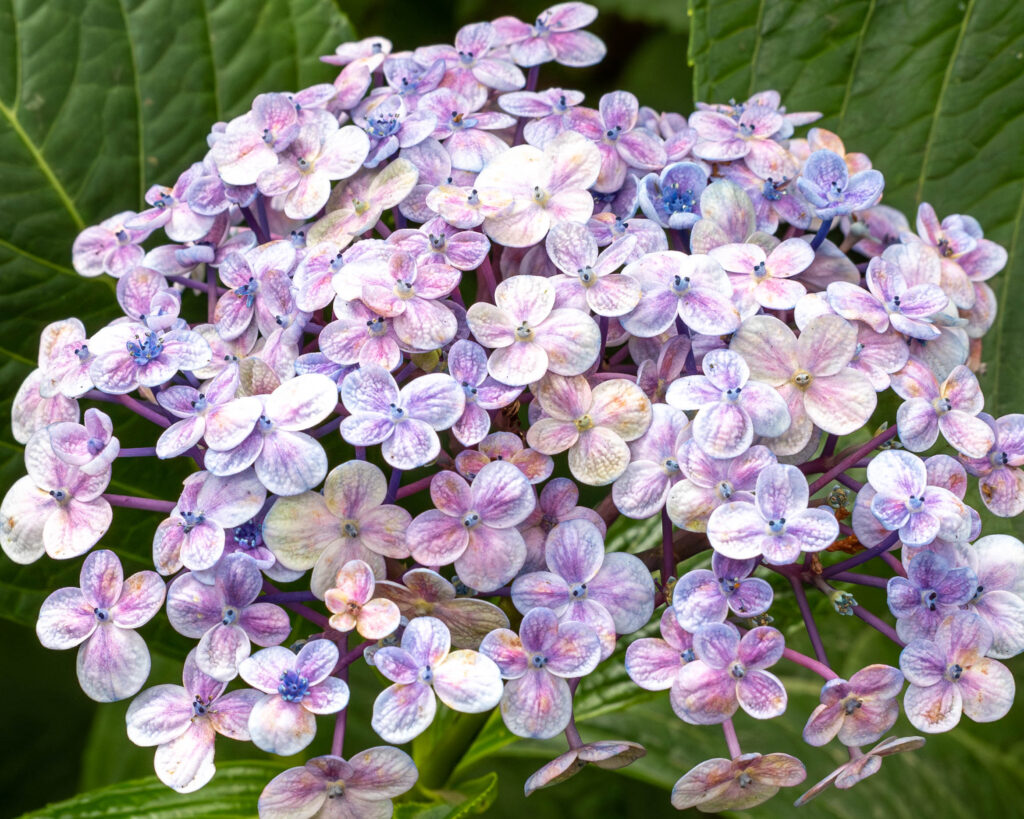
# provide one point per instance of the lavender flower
(826, 183)
(858, 711)
(654, 467)
(101, 618)
(701, 596)
(998, 563)
(931, 590)
(748, 780)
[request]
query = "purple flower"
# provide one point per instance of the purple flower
(1001, 480)
(861, 766)
(858, 711)
(655, 663)
(350, 521)
(358, 203)
(826, 183)
(250, 143)
(91, 447)
(778, 525)
(350, 601)
(672, 199)
(464, 129)
(694, 288)
(595, 425)
(467, 363)
(609, 754)
(529, 335)
(183, 721)
(731, 408)
(654, 465)
(101, 618)
(950, 675)
(390, 126)
(109, 247)
(613, 593)
(557, 503)
(130, 355)
(622, 144)
(554, 35)
(170, 210)
(906, 502)
(549, 112)
(998, 562)
(729, 673)
(573, 250)
(297, 687)
(761, 279)
(466, 681)
(425, 592)
(811, 373)
(890, 299)
(748, 780)
(473, 526)
(727, 216)
(931, 590)
(710, 482)
(226, 615)
(202, 410)
(537, 702)
(56, 508)
(405, 421)
(259, 285)
(703, 596)
(547, 187)
(64, 359)
(361, 787)
(287, 461)
(193, 535)
(747, 136)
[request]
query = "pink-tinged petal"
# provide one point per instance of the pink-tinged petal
(736, 530)
(298, 529)
(326, 697)
(598, 457)
(761, 694)
(469, 621)
(228, 425)
(918, 425)
(761, 647)
(397, 665)
(436, 399)
(570, 338)
(624, 587)
(716, 644)
(723, 430)
(378, 619)
(550, 436)
(381, 773)
(266, 623)
(502, 495)
(354, 583)
(897, 474)
(290, 462)
(402, 712)
(641, 490)
(316, 660)
(840, 403)
(966, 433)
(576, 651)
(824, 722)
(753, 597)
(921, 664)
(158, 715)
(141, 597)
(622, 407)
(66, 618)
(702, 695)
(934, 708)
(870, 721)
(492, 559)
(281, 727)
(469, 682)
(413, 444)
(73, 529)
(427, 640)
(536, 705)
(193, 607)
(436, 539)
(491, 325)
(113, 664)
(575, 551)
(769, 348)
(540, 589)
(186, 762)
(652, 663)
(987, 688)
(220, 651)
(855, 303)
(101, 579)
(369, 389)
(297, 792)
(302, 402)
(264, 669)
(698, 599)
(816, 529)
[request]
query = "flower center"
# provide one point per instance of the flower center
(851, 704)
(670, 465)
(248, 292)
(229, 617)
(376, 327)
(728, 585)
(199, 707)
(470, 519)
(538, 661)
(142, 352)
(587, 276)
(426, 674)
(547, 523)
(293, 686)
(677, 201)
(382, 127)
(914, 503)
(350, 528)
(724, 490)
(680, 284)
(101, 614)
(771, 190)
(583, 423)
(59, 495)
(335, 789)
(540, 196)
(930, 599)
(578, 591)
(470, 391)
(777, 526)
(192, 520)
(397, 413)
(760, 270)
(249, 535)
(954, 672)
(524, 332)
(803, 379)
(737, 671)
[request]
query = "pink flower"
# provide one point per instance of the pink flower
(557, 504)
(101, 617)
(748, 780)
(352, 605)
(555, 35)
(608, 754)
(654, 467)
(91, 448)
(654, 663)
(858, 711)
(861, 766)
(504, 446)
(591, 281)
(765, 280)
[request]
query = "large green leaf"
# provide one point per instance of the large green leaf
(99, 99)
(931, 90)
(232, 794)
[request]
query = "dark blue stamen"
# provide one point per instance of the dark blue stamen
(142, 352)
(293, 686)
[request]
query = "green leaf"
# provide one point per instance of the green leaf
(929, 89)
(472, 797)
(231, 794)
(99, 100)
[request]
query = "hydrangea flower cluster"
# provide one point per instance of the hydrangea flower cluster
(482, 298)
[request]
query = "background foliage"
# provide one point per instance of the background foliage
(101, 98)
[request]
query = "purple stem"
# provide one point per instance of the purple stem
(531, 78)
(353, 654)
(132, 502)
(261, 209)
(360, 453)
(382, 229)
(849, 482)
(486, 279)
(805, 612)
(846, 461)
(299, 609)
(329, 427)
(396, 476)
(668, 557)
(572, 733)
(288, 597)
(254, 225)
(878, 625)
(338, 740)
(414, 487)
(887, 543)
(211, 293)
(829, 449)
(860, 579)
(819, 237)
(135, 406)
(399, 219)
(894, 563)
(820, 669)
(136, 452)
(620, 355)
(184, 281)
(731, 740)
(603, 325)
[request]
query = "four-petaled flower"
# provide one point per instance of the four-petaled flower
(859, 710)
(353, 606)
